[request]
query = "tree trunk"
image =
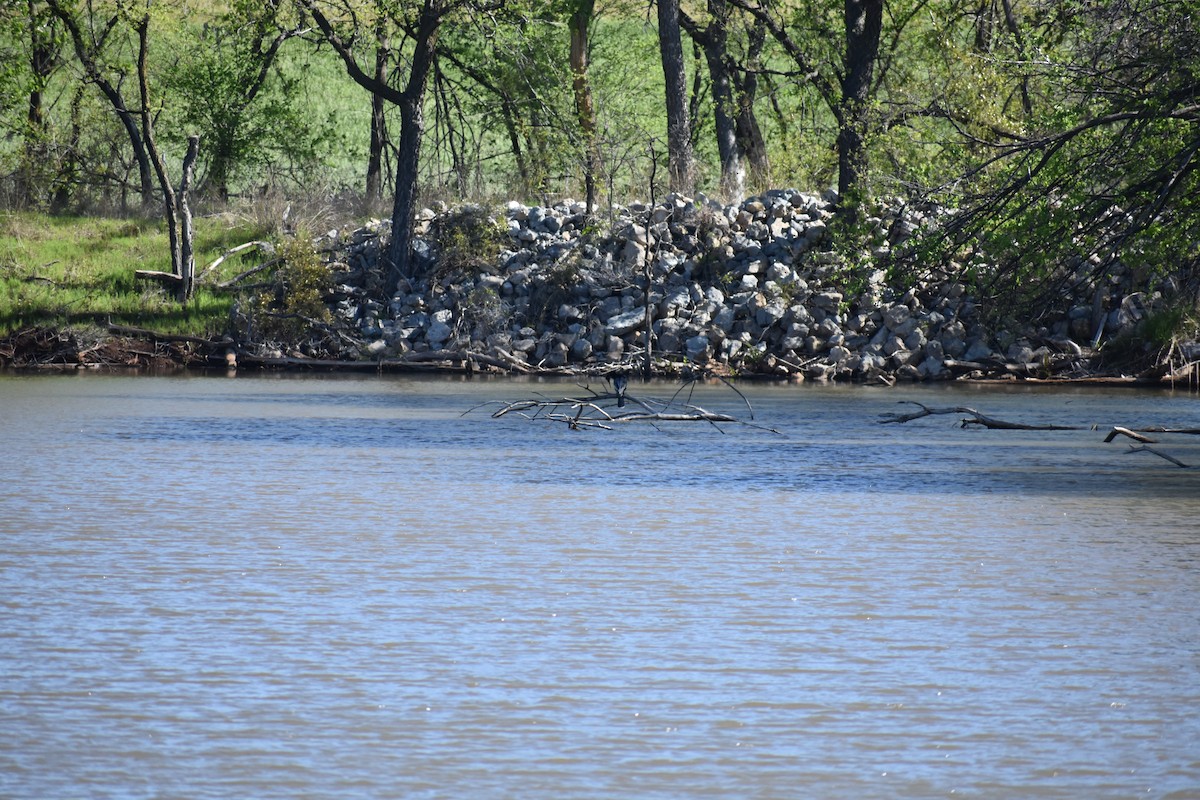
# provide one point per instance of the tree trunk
(508, 109)
(412, 127)
(42, 59)
(378, 122)
(1010, 21)
(220, 163)
(399, 256)
(412, 122)
(680, 165)
(187, 260)
(751, 143)
(714, 43)
(585, 109)
(65, 179)
(864, 22)
(151, 146)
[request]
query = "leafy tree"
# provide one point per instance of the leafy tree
(342, 24)
(844, 78)
(41, 55)
(110, 42)
(1103, 178)
(100, 35)
(226, 87)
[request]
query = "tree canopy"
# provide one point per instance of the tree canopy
(1063, 135)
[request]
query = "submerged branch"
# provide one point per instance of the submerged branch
(975, 419)
(1145, 449)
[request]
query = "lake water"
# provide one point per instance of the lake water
(323, 587)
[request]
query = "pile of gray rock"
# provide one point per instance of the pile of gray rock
(756, 287)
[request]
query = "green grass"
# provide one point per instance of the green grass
(57, 271)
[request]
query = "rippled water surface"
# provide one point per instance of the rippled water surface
(344, 588)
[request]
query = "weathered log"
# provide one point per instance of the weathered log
(144, 333)
(1158, 429)
(252, 271)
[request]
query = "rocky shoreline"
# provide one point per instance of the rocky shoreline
(761, 288)
(758, 288)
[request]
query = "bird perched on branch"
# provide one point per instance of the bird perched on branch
(619, 383)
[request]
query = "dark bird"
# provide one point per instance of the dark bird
(619, 383)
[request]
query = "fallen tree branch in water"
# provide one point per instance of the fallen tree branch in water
(604, 410)
(975, 419)
(1144, 449)
(1119, 431)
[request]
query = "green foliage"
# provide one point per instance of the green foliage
(1105, 177)
(295, 300)
(251, 123)
(469, 239)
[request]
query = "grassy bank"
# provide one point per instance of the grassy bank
(58, 271)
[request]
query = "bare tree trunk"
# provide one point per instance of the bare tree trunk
(65, 179)
(713, 40)
(751, 143)
(412, 121)
(42, 60)
(680, 163)
(514, 140)
(1010, 21)
(408, 157)
(187, 260)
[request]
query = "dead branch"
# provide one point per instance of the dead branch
(156, 336)
(252, 271)
(1145, 449)
(552, 409)
(975, 419)
(264, 246)
(604, 410)
(166, 278)
(1119, 431)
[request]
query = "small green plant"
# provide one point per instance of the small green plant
(468, 239)
(1161, 328)
(296, 298)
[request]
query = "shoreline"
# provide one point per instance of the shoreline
(49, 350)
(772, 288)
